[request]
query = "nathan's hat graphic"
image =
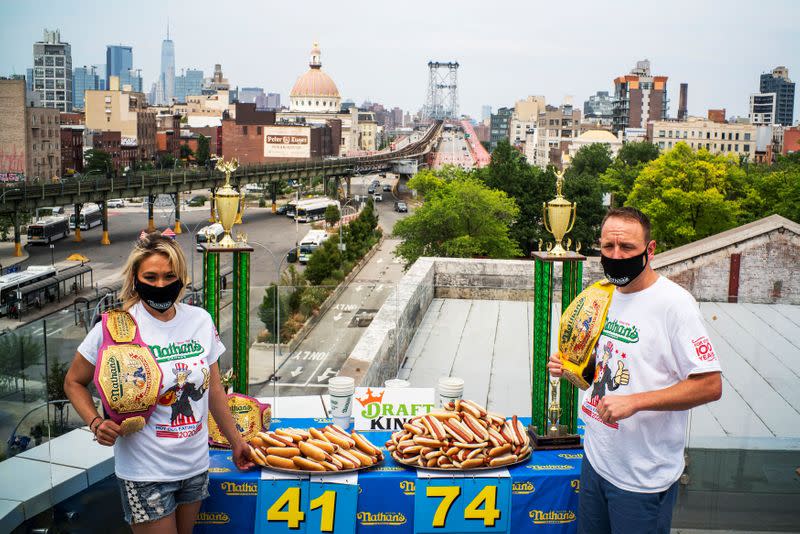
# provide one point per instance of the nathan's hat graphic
(181, 368)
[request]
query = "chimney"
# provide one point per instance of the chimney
(682, 102)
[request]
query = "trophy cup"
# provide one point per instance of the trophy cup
(229, 204)
(554, 416)
(229, 207)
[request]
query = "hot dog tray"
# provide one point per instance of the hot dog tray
(322, 473)
(459, 470)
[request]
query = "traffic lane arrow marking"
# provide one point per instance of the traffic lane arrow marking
(296, 372)
(324, 376)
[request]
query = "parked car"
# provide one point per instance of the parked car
(115, 203)
(400, 207)
(387, 187)
(198, 200)
(371, 189)
(282, 209)
(377, 197)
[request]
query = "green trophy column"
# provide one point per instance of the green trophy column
(241, 323)
(542, 314)
(211, 284)
(572, 282)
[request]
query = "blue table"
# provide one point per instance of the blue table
(544, 494)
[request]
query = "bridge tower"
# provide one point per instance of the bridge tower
(442, 100)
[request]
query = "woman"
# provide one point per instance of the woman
(163, 468)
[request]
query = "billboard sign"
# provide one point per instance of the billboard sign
(287, 142)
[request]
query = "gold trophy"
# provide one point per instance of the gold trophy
(229, 204)
(560, 213)
(554, 410)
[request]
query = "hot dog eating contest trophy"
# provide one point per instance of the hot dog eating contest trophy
(554, 413)
(229, 206)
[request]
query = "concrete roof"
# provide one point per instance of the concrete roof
(488, 343)
(724, 239)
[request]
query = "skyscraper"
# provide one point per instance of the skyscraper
(84, 79)
(639, 97)
(599, 106)
(778, 82)
(52, 71)
(119, 60)
(167, 77)
(190, 82)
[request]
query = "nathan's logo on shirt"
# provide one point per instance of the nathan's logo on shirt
(177, 351)
(551, 517)
(621, 331)
(212, 518)
(381, 518)
(234, 489)
(704, 349)
(522, 488)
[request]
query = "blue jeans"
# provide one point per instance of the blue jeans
(604, 508)
(143, 502)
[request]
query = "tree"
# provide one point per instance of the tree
(529, 186)
(18, 352)
(776, 189)
(55, 391)
(582, 186)
(203, 152)
(332, 215)
(98, 160)
(462, 218)
(689, 196)
(268, 310)
(618, 179)
(166, 161)
(186, 152)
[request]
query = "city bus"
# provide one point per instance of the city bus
(90, 216)
(48, 229)
(311, 242)
(291, 208)
(313, 209)
(11, 284)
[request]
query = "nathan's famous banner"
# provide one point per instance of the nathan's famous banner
(389, 408)
(231, 506)
(287, 142)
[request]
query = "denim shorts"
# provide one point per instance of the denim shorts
(150, 501)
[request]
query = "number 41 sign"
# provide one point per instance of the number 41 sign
(463, 504)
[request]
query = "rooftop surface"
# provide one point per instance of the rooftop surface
(488, 343)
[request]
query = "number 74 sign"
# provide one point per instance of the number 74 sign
(462, 505)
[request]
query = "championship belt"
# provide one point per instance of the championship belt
(249, 415)
(127, 375)
(580, 328)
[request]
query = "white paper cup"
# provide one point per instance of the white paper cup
(340, 394)
(396, 383)
(449, 388)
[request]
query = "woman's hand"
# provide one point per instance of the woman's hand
(241, 455)
(107, 432)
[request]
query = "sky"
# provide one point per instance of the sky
(378, 51)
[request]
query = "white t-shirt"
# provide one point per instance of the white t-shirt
(654, 338)
(174, 443)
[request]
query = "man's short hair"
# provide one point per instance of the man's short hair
(631, 214)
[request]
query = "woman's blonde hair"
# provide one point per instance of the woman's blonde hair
(146, 246)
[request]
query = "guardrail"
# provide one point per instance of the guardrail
(29, 195)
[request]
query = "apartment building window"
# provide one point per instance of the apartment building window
(737, 136)
(661, 145)
(670, 144)
(736, 147)
(244, 130)
(708, 136)
(729, 147)
(685, 134)
(746, 148)
(747, 136)
(258, 130)
(723, 136)
(661, 133)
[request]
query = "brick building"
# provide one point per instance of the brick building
(71, 149)
(168, 131)
(111, 143)
(30, 137)
(254, 137)
(791, 140)
(756, 262)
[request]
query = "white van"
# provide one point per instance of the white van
(205, 235)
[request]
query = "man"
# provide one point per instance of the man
(654, 363)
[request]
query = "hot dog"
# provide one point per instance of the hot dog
(311, 451)
(307, 464)
(284, 452)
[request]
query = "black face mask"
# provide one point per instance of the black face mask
(160, 299)
(622, 272)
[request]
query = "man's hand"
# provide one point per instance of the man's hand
(555, 366)
(613, 408)
(622, 375)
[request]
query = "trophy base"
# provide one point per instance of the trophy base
(546, 442)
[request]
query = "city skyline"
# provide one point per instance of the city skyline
(700, 44)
